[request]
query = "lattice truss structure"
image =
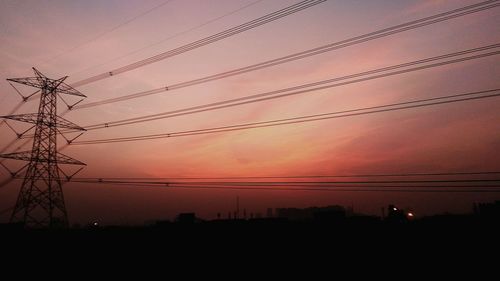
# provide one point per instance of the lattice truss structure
(40, 202)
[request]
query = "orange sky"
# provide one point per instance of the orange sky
(455, 137)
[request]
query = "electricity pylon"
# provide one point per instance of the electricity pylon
(40, 202)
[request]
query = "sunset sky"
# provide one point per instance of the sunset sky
(84, 38)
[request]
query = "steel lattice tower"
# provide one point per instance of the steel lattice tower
(40, 202)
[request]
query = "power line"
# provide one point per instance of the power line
(347, 190)
(446, 186)
(256, 186)
(333, 46)
(205, 41)
(414, 174)
(173, 36)
(416, 189)
(98, 36)
(185, 180)
(302, 119)
(341, 44)
(308, 87)
(373, 183)
(308, 53)
(304, 54)
(306, 183)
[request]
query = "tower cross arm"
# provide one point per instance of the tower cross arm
(41, 81)
(26, 156)
(34, 119)
(68, 90)
(29, 81)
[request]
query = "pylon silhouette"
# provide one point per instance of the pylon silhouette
(40, 202)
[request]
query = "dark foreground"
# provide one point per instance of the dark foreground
(263, 243)
(362, 228)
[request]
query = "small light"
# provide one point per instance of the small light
(394, 209)
(410, 214)
(96, 224)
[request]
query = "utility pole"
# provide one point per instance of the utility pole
(40, 202)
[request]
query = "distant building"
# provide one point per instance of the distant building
(331, 213)
(269, 212)
(294, 213)
(395, 214)
(488, 210)
(186, 218)
(328, 213)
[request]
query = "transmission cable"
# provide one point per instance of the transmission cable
(172, 36)
(205, 41)
(309, 87)
(308, 118)
(307, 53)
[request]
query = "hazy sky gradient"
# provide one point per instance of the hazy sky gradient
(455, 137)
